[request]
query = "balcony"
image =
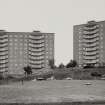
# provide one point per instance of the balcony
(91, 36)
(90, 49)
(91, 28)
(3, 36)
(90, 24)
(37, 63)
(4, 41)
(36, 42)
(3, 62)
(90, 33)
(36, 54)
(3, 45)
(36, 49)
(89, 57)
(92, 40)
(90, 45)
(36, 37)
(90, 61)
(4, 57)
(3, 49)
(90, 53)
(36, 58)
(4, 53)
(38, 45)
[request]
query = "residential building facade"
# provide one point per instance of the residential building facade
(89, 43)
(20, 49)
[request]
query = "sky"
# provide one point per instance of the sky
(55, 16)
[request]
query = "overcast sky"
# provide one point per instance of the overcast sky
(56, 16)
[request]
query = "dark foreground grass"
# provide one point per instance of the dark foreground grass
(58, 103)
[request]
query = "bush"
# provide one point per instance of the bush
(96, 74)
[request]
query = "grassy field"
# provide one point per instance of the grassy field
(53, 91)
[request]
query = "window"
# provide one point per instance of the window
(21, 40)
(16, 64)
(15, 35)
(21, 52)
(21, 44)
(15, 39)
(101, 25)
(10, 35)
(11, 43)
(25, 36)
(15, 44)
(10, 40)
(21, 36)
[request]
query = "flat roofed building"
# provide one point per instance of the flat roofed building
(20, 49)
(89, 43)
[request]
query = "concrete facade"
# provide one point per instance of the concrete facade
(89, 43)
(19, 49)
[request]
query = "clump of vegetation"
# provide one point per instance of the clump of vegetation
(61, 66)
(28, 70)
(72, 63)
(96, 74)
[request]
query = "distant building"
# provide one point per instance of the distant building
(89, 43)
(19, 49)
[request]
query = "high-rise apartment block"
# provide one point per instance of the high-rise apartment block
(89, 43)
(20, 49)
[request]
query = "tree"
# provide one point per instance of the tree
(72, 63)
(51, 63)
(61, 66)
(89, 66)
(28, 70)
